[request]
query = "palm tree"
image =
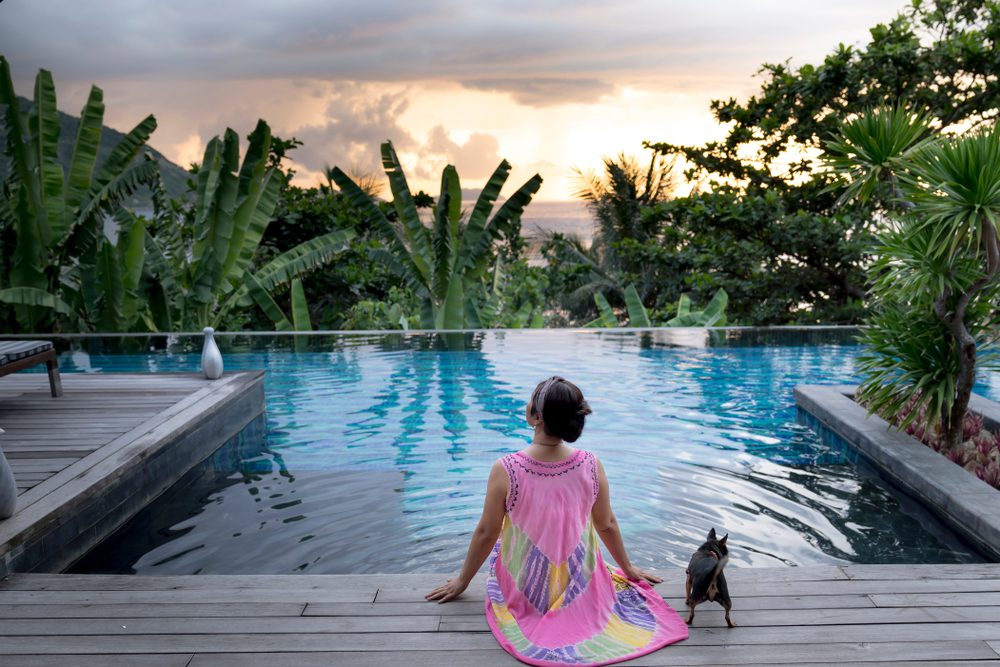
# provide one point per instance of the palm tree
(934, 280)
(616, 200)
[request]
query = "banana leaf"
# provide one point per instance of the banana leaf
(43, 124)
(81, 166)
(715, 311)
(409, 267)
(451, 314)
(637, 315)
(607, 317)
(267, 304)
(300, 308)
(30, 296)
(406, 209)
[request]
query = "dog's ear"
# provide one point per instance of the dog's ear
(723, 540)
(711, 534)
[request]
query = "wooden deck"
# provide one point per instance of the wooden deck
(85, 462)
(900, 615)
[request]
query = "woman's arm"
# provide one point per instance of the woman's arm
(483, 538)
(606, 526)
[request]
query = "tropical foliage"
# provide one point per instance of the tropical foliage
(63, 271)
(444, 264)
(200, 258)
(616, 199)
(763, 221)
(934, 281)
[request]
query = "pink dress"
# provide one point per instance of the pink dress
(550, 599)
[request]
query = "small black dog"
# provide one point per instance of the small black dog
(705, 580)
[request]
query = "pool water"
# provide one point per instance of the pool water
(376, 449)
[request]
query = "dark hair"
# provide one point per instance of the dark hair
(564, 409)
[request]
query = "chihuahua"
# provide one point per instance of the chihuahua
(705, 580)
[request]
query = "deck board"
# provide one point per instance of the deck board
(917, 619)
(85, 462)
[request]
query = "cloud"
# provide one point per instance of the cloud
(358, 119)
(542, 52)
(475, 159)
(545, 92)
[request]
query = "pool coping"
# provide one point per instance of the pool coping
(965, 503)
(65, 516)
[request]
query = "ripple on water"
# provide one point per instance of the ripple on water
(376, 456)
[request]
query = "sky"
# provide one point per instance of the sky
(549, 85)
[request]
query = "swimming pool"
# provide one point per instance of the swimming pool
(376, 449)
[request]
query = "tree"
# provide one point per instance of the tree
(938, 55)
(616, 200)
(62, 270)
(935, 282)
(335, 290)
(444, 264)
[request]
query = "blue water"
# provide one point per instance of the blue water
(376, 451)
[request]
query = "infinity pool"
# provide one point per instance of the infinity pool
(376, 449)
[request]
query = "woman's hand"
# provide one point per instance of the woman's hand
(447, 591)
(634, 573)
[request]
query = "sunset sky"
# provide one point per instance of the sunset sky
(549, 85)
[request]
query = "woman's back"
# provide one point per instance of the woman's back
(550, 598)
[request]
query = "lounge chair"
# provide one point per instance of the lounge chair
(16, 355)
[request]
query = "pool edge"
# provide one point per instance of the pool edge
(964, 503)
(92, 498)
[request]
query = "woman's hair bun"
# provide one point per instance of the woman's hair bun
(563, 408)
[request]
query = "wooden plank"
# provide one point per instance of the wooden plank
(144, 610)
(203, 582)
(60, 517)
(710, 615)
(921, 571)
(454, 608)
(75, 478)
(253, 643)
(697, 648)
(479, 658)
(836, 653)
(464, 606)
(675, 588)
(935, 600)
(138, 660)
(245, 596)
(40, 465)
(216, 625)
(498, 658)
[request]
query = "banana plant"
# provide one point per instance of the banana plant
(63, 264)
(713, 315)
(445, 262)
(497, 310)
(201, 259)
(638, 316)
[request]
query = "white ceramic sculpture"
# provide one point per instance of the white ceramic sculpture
(8, 488)
(211, 358)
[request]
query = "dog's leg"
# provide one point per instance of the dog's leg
(687, 596)
(728, 606)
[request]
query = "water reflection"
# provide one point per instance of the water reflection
(386, 444)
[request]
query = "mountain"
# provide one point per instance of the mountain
(174, 177)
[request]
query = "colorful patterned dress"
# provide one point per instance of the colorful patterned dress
(550, 599)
